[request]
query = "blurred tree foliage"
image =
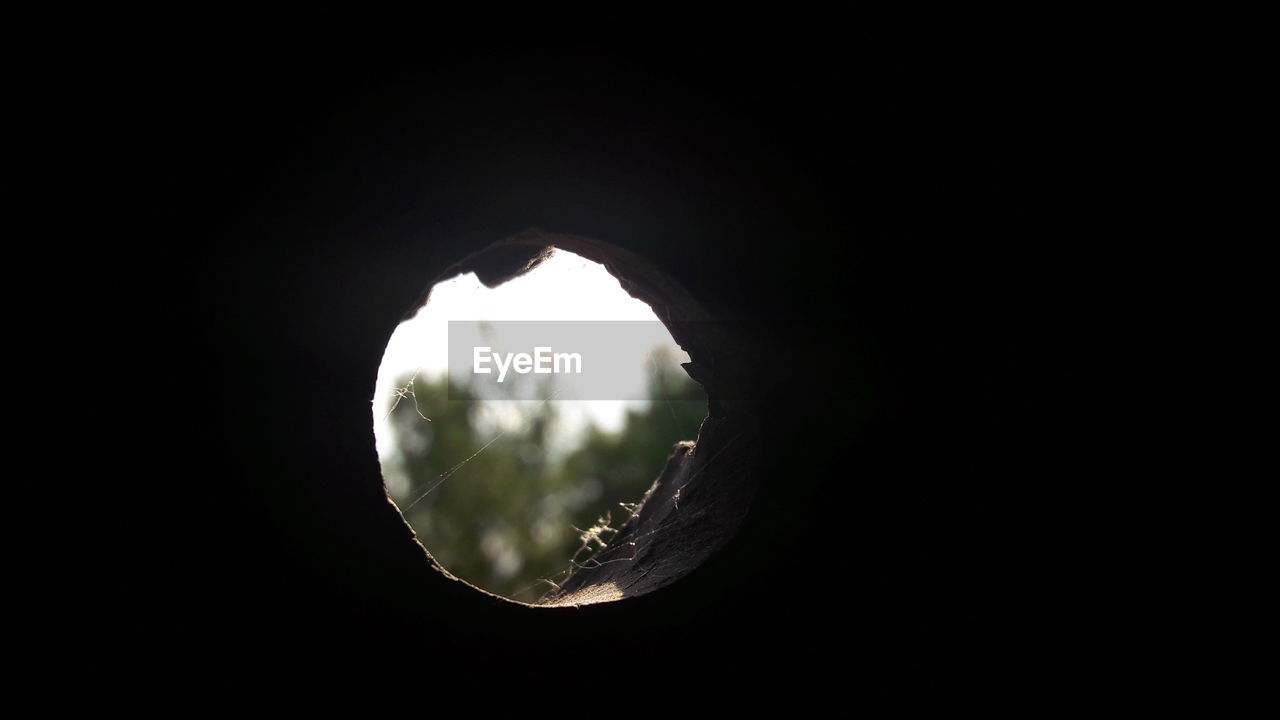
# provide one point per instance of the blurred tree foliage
(506, 519)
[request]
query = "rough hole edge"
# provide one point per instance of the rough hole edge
(704, 491)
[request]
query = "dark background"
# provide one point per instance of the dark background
(221, 220)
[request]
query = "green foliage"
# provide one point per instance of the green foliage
(506, 518)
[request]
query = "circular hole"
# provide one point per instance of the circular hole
(526, 415)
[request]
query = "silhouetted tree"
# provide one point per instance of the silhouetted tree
(505, 516)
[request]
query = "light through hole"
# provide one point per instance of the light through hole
(513, 495)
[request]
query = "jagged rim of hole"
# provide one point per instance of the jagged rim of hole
(704, 491)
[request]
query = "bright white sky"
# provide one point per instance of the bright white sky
(564, 287)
